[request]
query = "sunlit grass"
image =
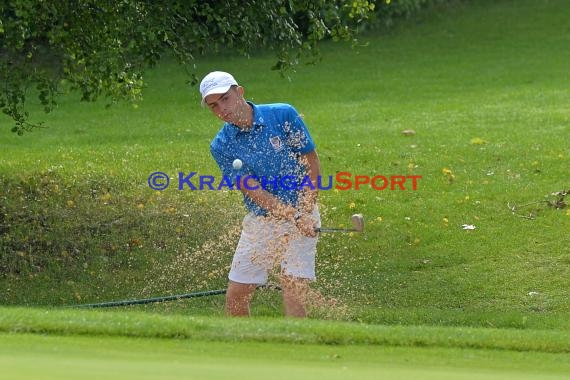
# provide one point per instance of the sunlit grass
(485, 89)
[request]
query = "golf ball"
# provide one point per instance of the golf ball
(237, 164)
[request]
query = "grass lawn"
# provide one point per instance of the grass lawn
(485, 87)
(67, 344)
(57, 357)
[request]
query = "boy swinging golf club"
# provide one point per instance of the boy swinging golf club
(267, 141)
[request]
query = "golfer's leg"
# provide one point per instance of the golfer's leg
(295, 293)
(238, 298)
(298, 270)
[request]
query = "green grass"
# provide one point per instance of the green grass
(56, 357)
(146, 325)
(70, 343)
(485, 87)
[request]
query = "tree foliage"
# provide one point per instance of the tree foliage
(100, 48)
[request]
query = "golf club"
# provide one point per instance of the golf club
(357, 223)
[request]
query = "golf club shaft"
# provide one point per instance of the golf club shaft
(357, 222)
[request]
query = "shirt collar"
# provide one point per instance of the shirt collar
(258, 117)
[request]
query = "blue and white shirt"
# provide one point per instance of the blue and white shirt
(269, 150)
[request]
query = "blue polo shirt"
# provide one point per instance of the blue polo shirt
(269, 150)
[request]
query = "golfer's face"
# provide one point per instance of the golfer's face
(225, 106)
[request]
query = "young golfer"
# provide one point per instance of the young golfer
(277, 174)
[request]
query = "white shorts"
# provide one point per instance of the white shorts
(266, 243)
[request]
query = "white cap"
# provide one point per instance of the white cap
(217, 82)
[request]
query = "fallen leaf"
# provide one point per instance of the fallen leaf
(478, 141)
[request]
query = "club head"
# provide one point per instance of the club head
(358, 222)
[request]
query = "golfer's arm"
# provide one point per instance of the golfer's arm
(271, 203)
(308, 194)
(266, 200)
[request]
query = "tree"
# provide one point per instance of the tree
(100, 48)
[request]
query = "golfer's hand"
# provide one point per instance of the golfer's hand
(307, 224)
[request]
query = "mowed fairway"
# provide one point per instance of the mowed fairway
(87, 344)
(24, 356)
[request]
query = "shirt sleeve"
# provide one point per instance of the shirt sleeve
(298, 136)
